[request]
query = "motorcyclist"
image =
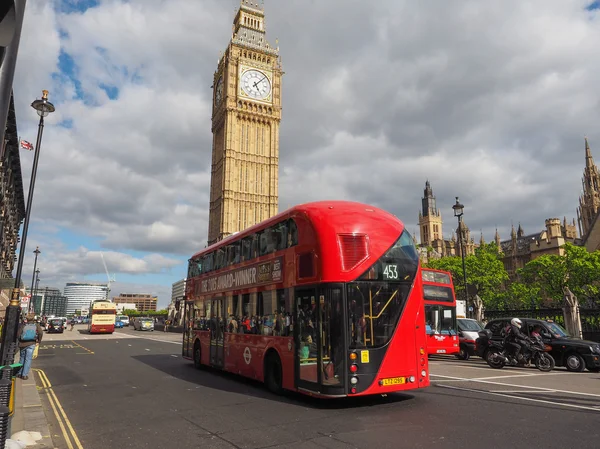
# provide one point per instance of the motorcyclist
(515, 338)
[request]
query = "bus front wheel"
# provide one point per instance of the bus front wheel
(274, 373)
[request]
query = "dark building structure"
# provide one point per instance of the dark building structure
(12, 200)
(55, 303)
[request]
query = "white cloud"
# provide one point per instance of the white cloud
(489, 101)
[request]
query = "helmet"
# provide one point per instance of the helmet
(516, 322)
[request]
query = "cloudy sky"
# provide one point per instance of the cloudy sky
(490, 101)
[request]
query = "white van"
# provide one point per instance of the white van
(123, 319)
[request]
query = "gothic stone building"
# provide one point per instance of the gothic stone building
(521, 248)
(245, 126)
(588, 212)
(433, 245)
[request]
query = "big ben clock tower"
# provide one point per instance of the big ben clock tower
(245, 126)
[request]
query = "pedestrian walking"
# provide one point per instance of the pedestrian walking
(30, 334)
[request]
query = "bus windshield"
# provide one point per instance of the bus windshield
(376, 300)
(440, 319)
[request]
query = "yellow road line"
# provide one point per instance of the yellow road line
(55, 403)
(84, 348)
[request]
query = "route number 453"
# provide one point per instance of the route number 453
(390, 272)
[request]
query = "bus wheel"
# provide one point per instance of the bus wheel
(197, 359)
(274, 373)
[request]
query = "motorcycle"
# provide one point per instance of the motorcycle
(533, 351)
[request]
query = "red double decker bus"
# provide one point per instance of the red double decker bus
(440, 312)
(324, 298)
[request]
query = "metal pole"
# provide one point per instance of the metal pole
(31, 303)
(37, 283)
(462, 254)
(7, 68)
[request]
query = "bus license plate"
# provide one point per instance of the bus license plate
(441, 351)
(394, 381)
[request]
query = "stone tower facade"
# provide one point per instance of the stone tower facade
(430, 219)
(433, 245)
(589, 201)
(245, 126)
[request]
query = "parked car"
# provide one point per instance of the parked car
(467, 335)
(55, 325)
(143, 324)
(573, 353)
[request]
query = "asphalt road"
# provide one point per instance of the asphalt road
(134, 390)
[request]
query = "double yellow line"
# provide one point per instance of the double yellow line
(63, 421)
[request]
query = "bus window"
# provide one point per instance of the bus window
(263, 238)
(220, 259)
(292, 236)
(279, 236)
(254, 250)
(247, 248)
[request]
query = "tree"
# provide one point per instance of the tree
(578, 270)
(485, 273)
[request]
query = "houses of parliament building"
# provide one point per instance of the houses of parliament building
(520, 248)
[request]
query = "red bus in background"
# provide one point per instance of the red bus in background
(440, 312)
(324, 298)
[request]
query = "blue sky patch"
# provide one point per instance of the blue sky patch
(75, 6)
(111, 91)
(68, 69)
(593, 5)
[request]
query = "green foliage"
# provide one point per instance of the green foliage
(577, 269)
(135, 313)
(485, 273)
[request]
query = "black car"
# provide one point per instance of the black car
(573, 353)
(55, 325)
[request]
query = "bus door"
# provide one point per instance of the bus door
(319, 338)
(188, 333)
(217, 329)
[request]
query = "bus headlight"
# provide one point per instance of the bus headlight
(423, 373)
(354, 380)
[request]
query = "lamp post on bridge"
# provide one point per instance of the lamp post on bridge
(37, 283)
(458, 213)
(32, 302)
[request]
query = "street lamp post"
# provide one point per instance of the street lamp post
(458, 213)
(32, 303)
(37, 283)
(11, 320)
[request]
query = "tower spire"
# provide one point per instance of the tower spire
(589, 201)
(589, 160)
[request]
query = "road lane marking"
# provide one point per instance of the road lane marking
(473, 390)
(52, 394)
(156, 339)
(518, 375)
(522, 391)
(82, 347)
(46, 385)
(543, 389)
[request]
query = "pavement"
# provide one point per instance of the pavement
(133, 389)
(29, 413)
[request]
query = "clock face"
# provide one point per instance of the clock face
(255, 84)
(219, 91)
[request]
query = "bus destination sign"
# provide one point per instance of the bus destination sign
(263, 273)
